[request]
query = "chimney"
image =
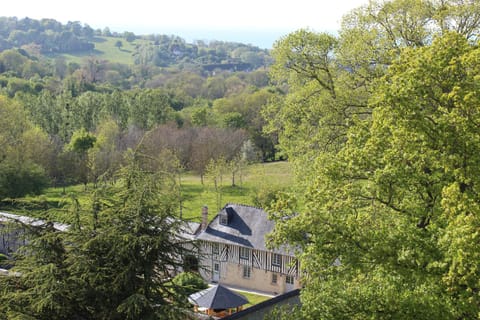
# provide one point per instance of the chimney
(204, 218)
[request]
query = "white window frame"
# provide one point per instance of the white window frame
(247, 272)
(276, 259)
(215, 248)
(244, 253)
(224, 219)
(274, 278)
(289, 280)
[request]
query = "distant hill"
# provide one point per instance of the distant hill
(75, 41)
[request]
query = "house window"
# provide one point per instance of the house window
(224, 219)
(215, 248)
(289, 280)
(190, 263)
(216, 267)
(244, 253)
(247, 271)
(276, 259)
(274, 278)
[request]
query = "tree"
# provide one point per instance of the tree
(387, 218)
(105, 156)
(215, 172)
(80, 143)
(329, 80)
(150, 107)
(24, 150)
(112, 263)
(380, 124)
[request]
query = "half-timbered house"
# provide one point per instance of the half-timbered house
(233, 251)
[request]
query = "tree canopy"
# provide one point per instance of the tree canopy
(387, 155)
(114, 262)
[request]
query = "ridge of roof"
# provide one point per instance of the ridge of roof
(242, 205)
(10, 217)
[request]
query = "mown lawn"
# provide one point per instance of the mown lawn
(252, 298)
(273, 175)
(57, 203)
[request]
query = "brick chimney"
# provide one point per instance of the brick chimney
(204, 218)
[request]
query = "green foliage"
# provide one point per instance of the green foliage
(23, 152)
(18, 180)
(389, 204)
(81, 141)
(111, 264)
(49, 35)
(189, 282)
(3, 260)
(385, 155)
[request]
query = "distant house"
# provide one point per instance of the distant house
(11, 230)
(233, 251)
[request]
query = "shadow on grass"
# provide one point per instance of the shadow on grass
(98, 40)
(190, 192)
(89, 53)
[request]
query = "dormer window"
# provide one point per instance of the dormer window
(224, 219)
(226, 216)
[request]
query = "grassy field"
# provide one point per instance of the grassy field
(256, 177)
(252, 298)
(105, 48)
(53, 204)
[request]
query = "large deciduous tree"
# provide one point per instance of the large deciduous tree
(398, 205)
(24, 151)
(388, 159)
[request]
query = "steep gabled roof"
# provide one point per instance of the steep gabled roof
(247, 226)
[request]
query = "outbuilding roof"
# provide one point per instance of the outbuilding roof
(10, 217)
(217, 297)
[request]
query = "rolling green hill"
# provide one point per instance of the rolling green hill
(106, 49)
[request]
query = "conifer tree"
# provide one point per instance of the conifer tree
(114, 263)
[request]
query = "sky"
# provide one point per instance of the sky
(257, 22)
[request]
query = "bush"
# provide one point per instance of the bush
(19, 180)
(188, 283)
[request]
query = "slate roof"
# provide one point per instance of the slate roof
(188, 229)
(247, 226)
(217, 297)
(9, 217)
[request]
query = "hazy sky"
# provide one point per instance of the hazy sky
(259, 22)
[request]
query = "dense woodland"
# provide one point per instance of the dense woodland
(381, 123)
(200, 101)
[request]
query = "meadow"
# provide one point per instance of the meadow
(251, 188)
(106, 49)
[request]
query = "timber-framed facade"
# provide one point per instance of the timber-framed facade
(233, 251)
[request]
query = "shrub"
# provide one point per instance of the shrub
(188, 283)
